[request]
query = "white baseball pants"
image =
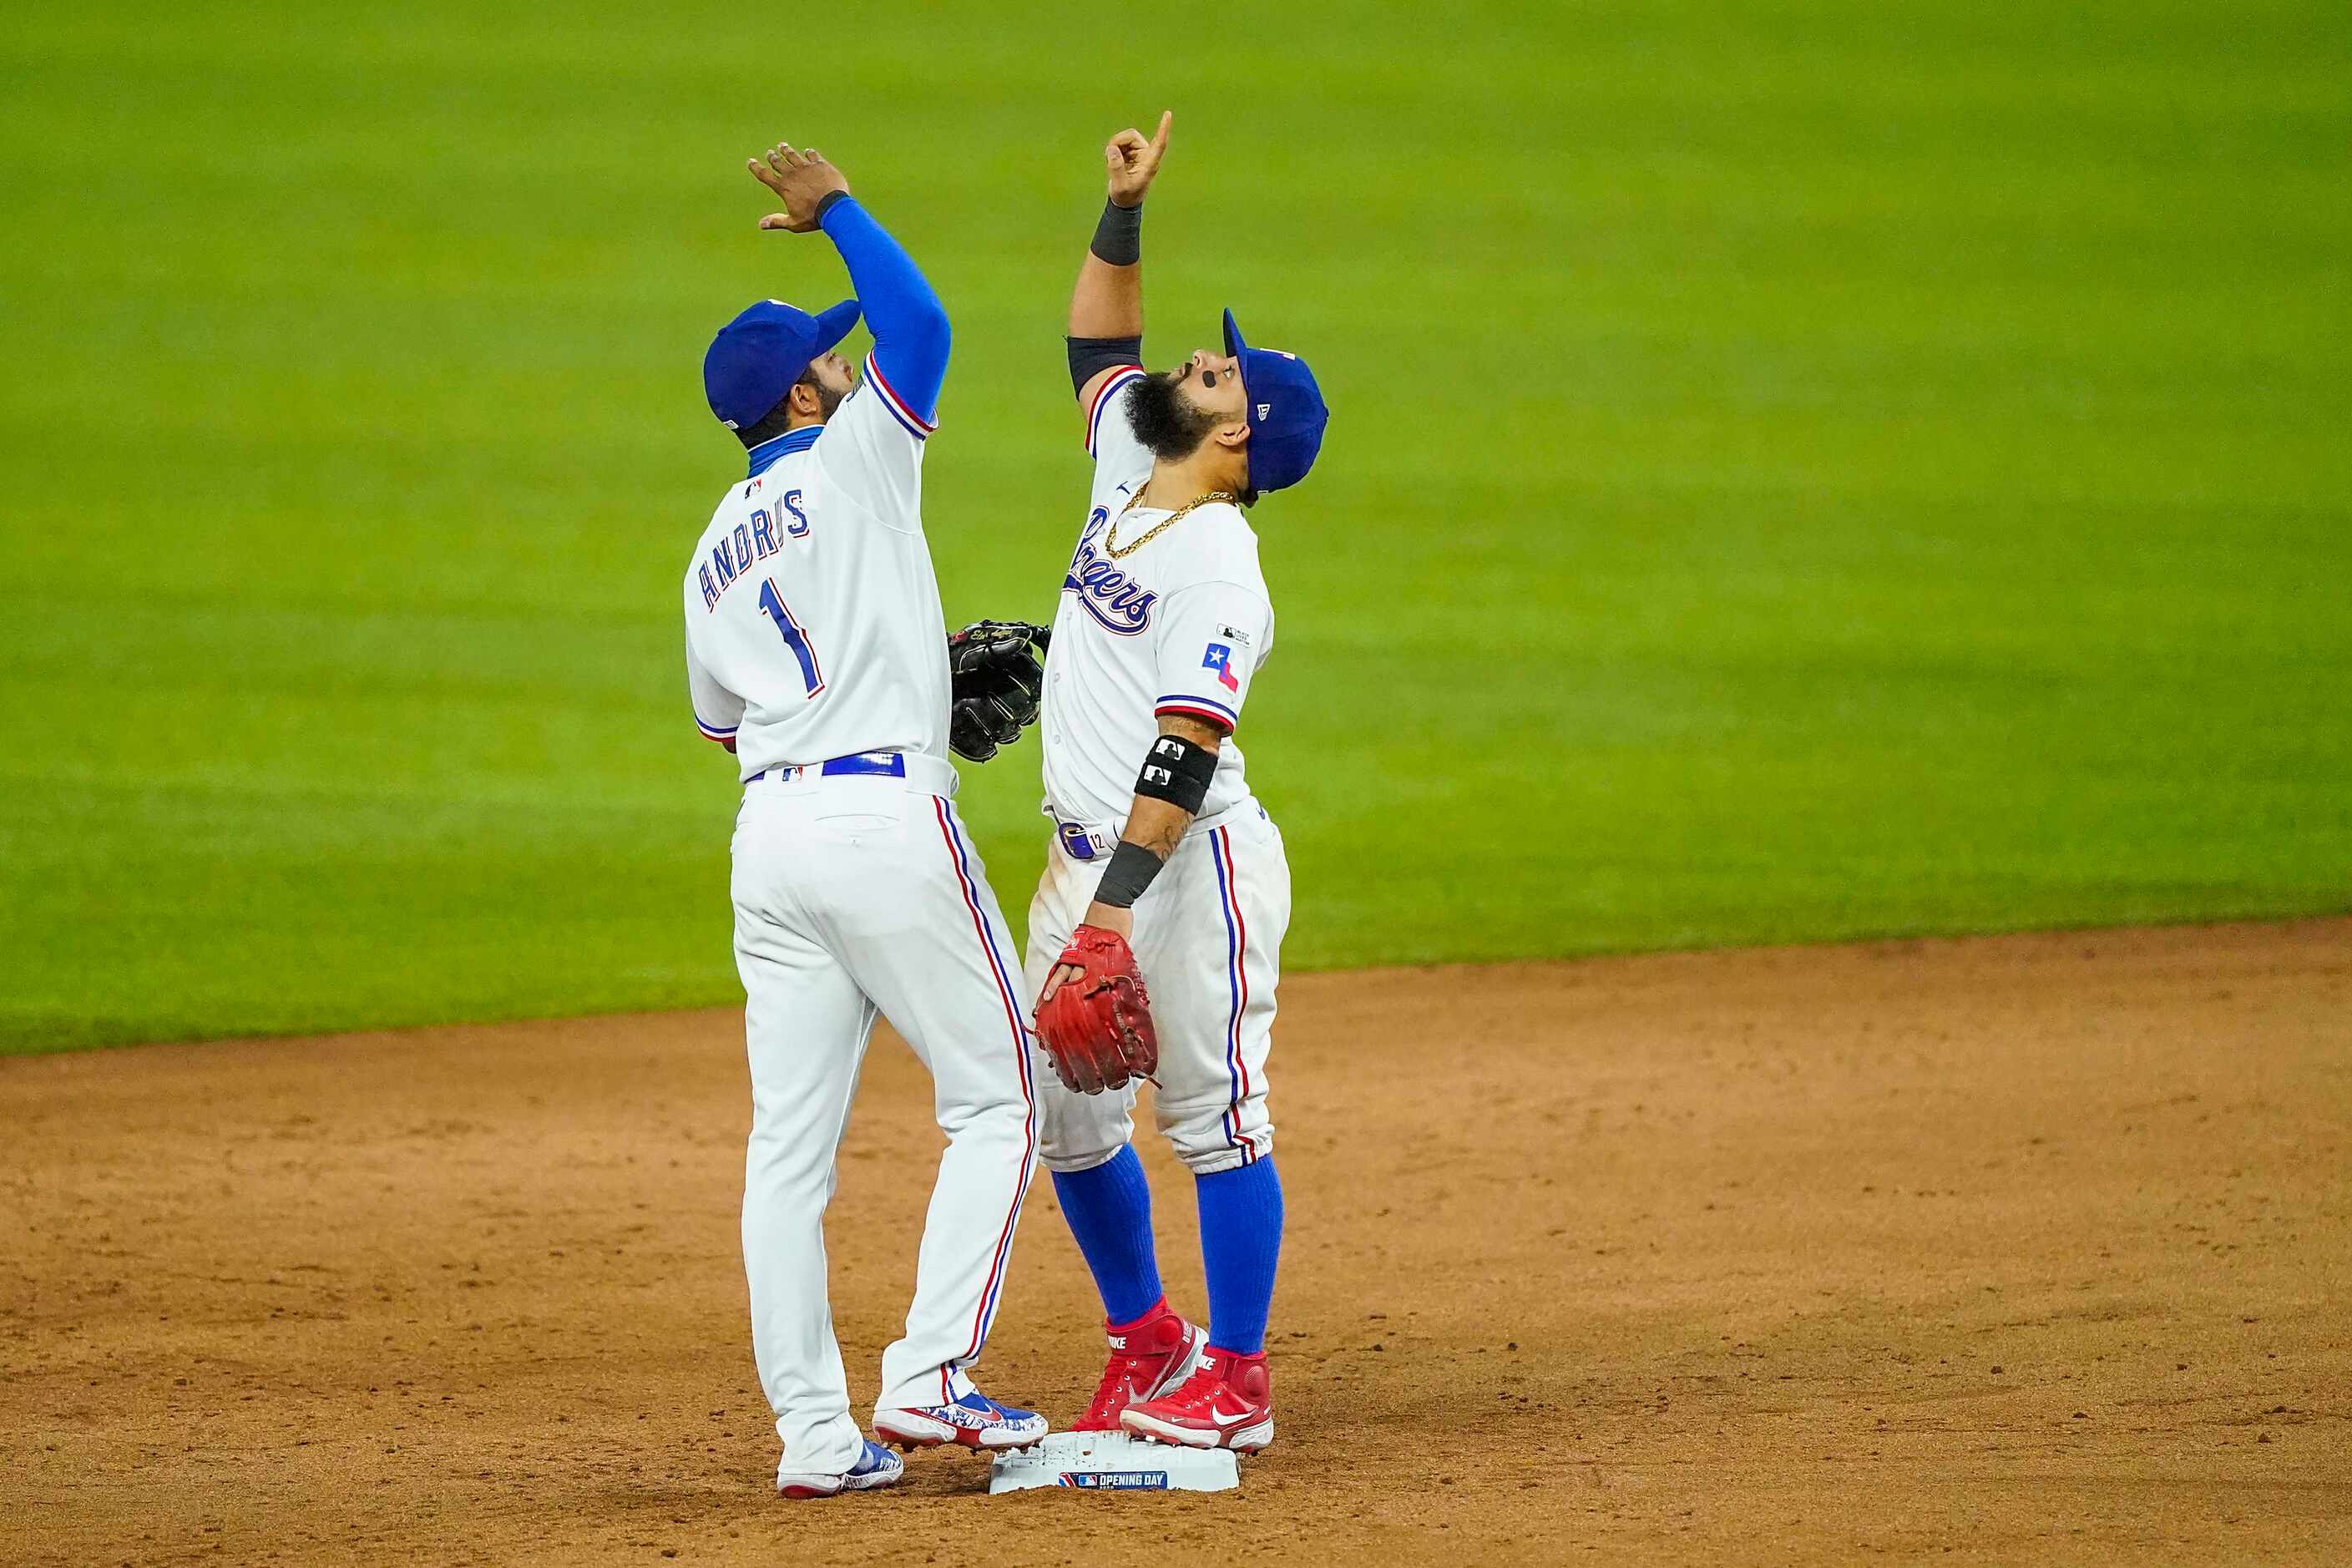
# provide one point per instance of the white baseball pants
(856, 895)
(1208, 937)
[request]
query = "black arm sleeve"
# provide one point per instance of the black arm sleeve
(1089, 357)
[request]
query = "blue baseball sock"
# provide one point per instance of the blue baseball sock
(1109, 1211)
(1241, 1236)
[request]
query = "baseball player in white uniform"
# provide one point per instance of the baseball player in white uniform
(1164, 622)
(815, 653)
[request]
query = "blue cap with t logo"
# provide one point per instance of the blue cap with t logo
(1287, 415)
(756, 357)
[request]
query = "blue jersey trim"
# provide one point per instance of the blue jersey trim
(1180, 699)
(915, 425)
(1109, 389)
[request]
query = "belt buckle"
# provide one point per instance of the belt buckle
(1076, 842)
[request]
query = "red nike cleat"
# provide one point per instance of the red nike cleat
(1148, 1357)
(1228, 1402)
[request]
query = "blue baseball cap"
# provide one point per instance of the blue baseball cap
(756, 357)
(1287, 415)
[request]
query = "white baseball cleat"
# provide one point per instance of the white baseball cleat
(975, 1421)
(876, 1468)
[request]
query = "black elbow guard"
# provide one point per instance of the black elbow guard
(1089, 357)
(1178, 770)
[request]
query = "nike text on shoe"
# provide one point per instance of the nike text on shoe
(877, 1467)
(1150, 1357)
(976, 1421)
(1227, 1403)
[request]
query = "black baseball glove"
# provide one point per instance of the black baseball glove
(995, 671)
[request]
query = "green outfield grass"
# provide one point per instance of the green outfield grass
(1796, 471)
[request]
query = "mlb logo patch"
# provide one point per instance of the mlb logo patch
(1220, 658)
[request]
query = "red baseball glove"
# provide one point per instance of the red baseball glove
(1097, 1026)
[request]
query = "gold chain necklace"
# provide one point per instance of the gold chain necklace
(1110, 534)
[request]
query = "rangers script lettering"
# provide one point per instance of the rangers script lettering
(1117, 603)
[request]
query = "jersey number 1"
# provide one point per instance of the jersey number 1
(794, 639)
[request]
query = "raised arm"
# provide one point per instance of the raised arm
(909, 323)
(1107, 306)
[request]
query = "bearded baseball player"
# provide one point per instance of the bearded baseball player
(815, 653)
(1155, 939)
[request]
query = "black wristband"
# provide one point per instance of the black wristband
(1118, 236)
(824, 204)
(1130, 872)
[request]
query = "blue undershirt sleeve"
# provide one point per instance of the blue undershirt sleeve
(909, 323)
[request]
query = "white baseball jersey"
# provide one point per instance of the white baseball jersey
(1177, 625)
(813, 620)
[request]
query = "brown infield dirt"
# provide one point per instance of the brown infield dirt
(2026, 1248)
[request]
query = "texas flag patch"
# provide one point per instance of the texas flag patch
(1220, 658)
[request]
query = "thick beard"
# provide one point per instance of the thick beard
(1164, 421)
(827, 399)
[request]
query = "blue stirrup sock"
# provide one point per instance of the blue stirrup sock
(1241, 1238)
(1109, 1211)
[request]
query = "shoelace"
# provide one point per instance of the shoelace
(1125, 1373)
(1199, 1392)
